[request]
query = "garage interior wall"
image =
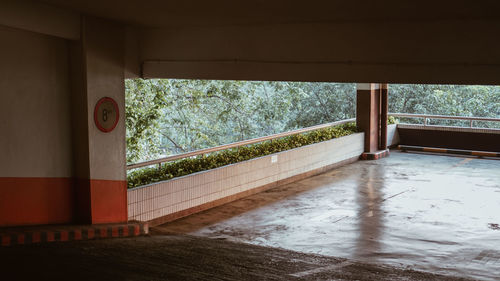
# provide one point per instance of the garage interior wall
(35, 127)
(38, 143)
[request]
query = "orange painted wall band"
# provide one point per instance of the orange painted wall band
(30, 201)
(108, 201)
(36, 201)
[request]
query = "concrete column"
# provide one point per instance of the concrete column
(383, 116)
(368, 114)
(97, 66)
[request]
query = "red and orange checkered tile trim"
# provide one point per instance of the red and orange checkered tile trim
(10, 236)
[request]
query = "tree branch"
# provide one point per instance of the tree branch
(175, 144)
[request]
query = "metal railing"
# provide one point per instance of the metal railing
(235, 144)
(428, 116)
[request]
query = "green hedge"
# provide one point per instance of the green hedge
(230, 156)
(392, 120)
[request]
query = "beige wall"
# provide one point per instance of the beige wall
(36, 86)
(34, 109)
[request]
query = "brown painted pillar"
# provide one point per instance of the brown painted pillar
(383, 116)
(368, 114)
(97, 72)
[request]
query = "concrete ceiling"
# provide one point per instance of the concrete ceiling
(165, 13)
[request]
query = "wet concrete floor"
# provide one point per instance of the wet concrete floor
(439, 214)
(184, 257)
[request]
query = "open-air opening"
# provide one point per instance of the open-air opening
(397, 211)
(241, 119)
(170, 116)
(196, 125)
(446, 100)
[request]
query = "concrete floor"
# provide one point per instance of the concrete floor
(439, 214)
(184, 257)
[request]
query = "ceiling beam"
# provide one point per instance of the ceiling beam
(41, 18)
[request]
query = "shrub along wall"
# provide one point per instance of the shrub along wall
(230, 156)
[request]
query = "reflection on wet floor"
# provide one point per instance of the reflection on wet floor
(370, 216)
(426, 212)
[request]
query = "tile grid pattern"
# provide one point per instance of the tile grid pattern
(173, 196)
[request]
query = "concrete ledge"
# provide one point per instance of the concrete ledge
(449, 151)
(375, 155)
(474, 139)
(61, 233)
(449, 128)
(392, 135)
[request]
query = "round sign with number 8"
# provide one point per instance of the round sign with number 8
(106, 114)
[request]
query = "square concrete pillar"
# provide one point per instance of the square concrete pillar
(368, 114)
(371, 115)
(383, 116)
(98, 93)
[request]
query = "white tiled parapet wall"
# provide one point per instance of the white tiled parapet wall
(392, 135)
(168, 197)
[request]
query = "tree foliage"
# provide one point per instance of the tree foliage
(170, 116)
(454, 100)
